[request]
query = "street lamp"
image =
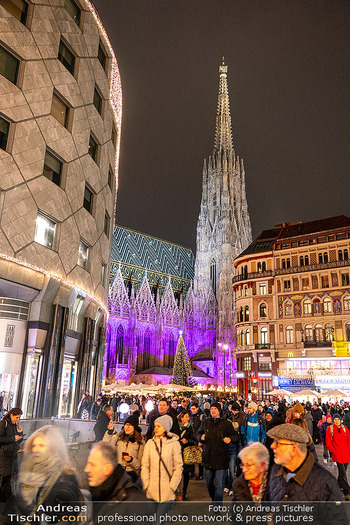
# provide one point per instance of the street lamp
(302, 335)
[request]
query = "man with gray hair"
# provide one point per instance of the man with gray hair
(296, 476)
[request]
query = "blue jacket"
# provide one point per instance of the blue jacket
(254, 429)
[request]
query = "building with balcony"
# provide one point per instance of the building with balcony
(293, 307)
(60, 117)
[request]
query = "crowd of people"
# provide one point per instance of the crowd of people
(259, 452)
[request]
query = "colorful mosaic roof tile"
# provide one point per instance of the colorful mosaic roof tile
(137, 252)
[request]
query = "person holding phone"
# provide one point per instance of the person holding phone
(129, 443)
(11, 437)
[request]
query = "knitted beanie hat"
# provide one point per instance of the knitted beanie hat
(166, 422)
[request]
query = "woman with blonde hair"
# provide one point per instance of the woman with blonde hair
(46, 476)
(129, 443)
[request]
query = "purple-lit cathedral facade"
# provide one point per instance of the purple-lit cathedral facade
(159, 289)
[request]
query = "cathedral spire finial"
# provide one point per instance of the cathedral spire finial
(223, 133)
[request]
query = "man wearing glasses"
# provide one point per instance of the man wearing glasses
(296, 476)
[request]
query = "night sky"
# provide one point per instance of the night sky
(289, 86)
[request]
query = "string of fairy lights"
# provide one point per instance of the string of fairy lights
(58, 278)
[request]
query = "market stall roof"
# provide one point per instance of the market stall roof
(278, 392)
(306, 393)
(333, 393)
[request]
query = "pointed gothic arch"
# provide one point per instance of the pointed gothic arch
(119, 345)
(213, 275)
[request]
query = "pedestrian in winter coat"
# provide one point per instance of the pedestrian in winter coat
(254, 426)
(95, 409)
(309, 420)
(84, 407)
(338, 444)
(11, 436)
(187, 439)
(323, 431)
(161, 468)
(108, 481)
(297, 477)
(215, 434)
(196, 419)
(46, 476)
(310, 445)
(129, 443)
(252, 483)
(346, 419)
(104, 422)
(161, 410)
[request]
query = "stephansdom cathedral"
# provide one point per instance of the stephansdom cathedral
(159, 289)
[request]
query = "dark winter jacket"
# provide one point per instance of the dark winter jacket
(64, 492)
(346, 420)
(241, 490)
(187, 433)
(316, 414)
(120, 486)
(196, 421)
(8, 446)
(95, 409)
(323, 430)
(100, 427)
(174, 429)
(216, 453)
(312, 482)
(309, 421)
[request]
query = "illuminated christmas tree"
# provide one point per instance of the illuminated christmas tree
(182, 371)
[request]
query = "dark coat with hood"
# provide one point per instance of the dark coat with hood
(309, 421)
(8, 446)
(216, 453)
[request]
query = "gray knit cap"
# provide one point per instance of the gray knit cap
(166, 422)
(289, 432)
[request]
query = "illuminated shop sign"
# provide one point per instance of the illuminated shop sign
(240, 374)
(264, 374)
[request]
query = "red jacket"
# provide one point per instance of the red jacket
(339, 444)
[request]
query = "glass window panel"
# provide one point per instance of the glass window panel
(106, 226)
(102, 57)
(8, 65)
(110, 178)
(74, 11)
(93, 148)
(45, 230)
(114, 136)
(83, 255)
(59, 110)
(52, 168)
(103, 273)
(66, 56)
(98, 101)
(88, 198)
(4, 132)
(17, 8)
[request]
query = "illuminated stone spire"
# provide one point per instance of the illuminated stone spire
(223, 228)
(223, 132)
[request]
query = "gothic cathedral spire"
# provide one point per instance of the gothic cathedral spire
(223, 229)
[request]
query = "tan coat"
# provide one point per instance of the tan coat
(156, 482)
(133, 449)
